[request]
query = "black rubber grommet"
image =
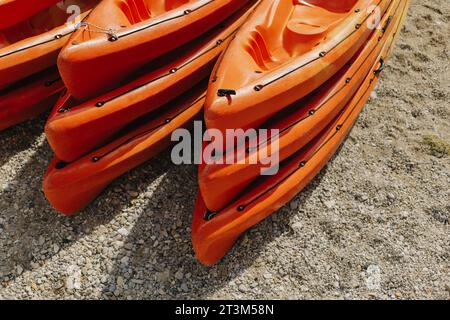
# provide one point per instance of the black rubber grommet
(240, 208)
(61, 165)
(95, 159)
(259, 87)
(99, 104)
(208, 215)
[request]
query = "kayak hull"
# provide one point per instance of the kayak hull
(70, 187)
(141, 34)
(79, 128)
(33, 45)
(28, 99)
(303, 121)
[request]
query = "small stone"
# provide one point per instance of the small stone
(73, 281)
(163, 276)
(294, 204)
(133, 194)
(390, 196)
(242, 288)
(184, 287)
(123, 232)
(179, 275)
(330, 204)
(125, 261)
(19, 270)
(120, 282)
(55, 248)
(267, 276)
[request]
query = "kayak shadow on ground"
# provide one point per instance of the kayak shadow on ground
(157, 260)
(31, 231)
(20, 137)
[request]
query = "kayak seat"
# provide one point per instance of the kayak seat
(308, 26)
(258, 50)
(291, 30)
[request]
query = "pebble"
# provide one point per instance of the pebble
(184, 287)
(123, 232)
(133, 194)
(268, 276)
(294, 204)
(120, 282)
(179, 275)
(163, 276)
(19, 270)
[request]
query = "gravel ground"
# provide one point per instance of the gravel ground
(373, 225)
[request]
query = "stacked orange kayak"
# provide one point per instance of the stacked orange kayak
(123, 75)
(33, 45)
(97, 140)
(29, 97)
(333, 82)
(286, 51)
(32, 34)
(133, 32)
(78, 128)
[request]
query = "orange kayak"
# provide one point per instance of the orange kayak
(220, 183)
(15, 11)
(33, 45)
(287, 50)
(78, 128)
(71, 186)
(121, 36)
(29, 98)
(213, 233)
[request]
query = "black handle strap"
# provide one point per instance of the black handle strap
(381, 68)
